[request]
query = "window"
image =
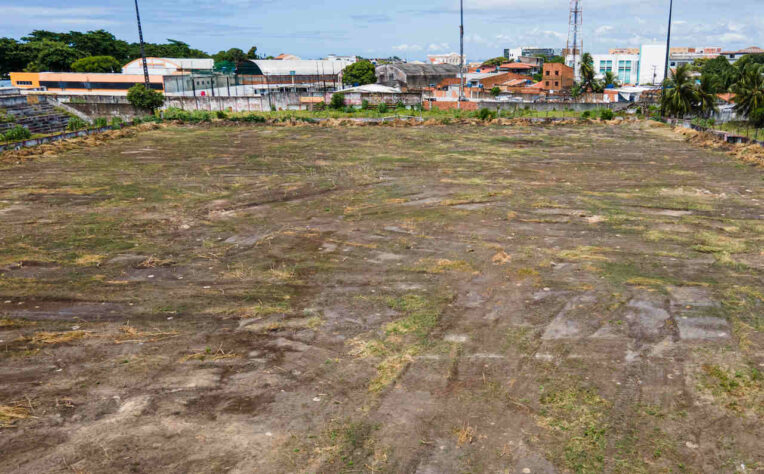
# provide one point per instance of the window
(547, 73)
(606, 66)
(556, 83)
(23, 83)
(624, 71)
(547, 83)
(557, 73)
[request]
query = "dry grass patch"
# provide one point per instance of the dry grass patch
(90, 260)
(585, 253)
(49, 338)
(6, 323)
(443, 265)
(501, 258)
(465, 435)
(130, 334)
(9, 415)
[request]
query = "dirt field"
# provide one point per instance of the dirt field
(582, 298)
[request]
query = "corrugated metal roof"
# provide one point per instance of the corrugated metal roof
(302, 67)
(424, 69)
(373, 89)
(193, 63)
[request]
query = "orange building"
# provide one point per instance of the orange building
(556, 77)
(75, 82)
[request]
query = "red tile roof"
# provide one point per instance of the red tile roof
(515, 66)
(751, 50)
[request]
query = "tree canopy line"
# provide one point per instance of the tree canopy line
(97, 51)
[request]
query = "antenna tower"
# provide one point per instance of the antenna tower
(575, 45)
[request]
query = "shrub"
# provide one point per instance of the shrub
(756, 117)
(338, 101)
(100, 122)
(586, 114)
(75, 123)
(143, 98)
(116, 123)
(220, 114)
(200, 116)
(496, 91)
(253, 118)
(400, 105)
(607, 114)
(486, 114)
(382, 108)
(321, 106)
(15, 134)
(365, 104)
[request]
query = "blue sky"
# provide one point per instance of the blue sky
(407, 28)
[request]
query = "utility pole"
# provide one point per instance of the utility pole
(143, 48)
(461, 55)
(668, 50)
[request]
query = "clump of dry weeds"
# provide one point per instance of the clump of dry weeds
(50, 338)
(9, 415)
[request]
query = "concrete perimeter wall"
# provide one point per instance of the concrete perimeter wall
(514, 106)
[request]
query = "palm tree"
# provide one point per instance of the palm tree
(680, 96)
(749, 90)
(707, 95)
(610, 79)
(587, 72)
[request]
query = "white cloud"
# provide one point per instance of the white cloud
(407, 48)
(438, 47)
(604, 29)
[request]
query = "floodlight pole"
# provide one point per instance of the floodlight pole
(668, 50)
(461, 55)
(143, 48)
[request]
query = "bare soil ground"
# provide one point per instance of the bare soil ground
(426, 299)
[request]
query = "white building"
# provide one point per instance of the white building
(169, 66)
(530, 51)
(347, 59)
(652, 64)
(645, 68)
(733, 56)
(624, 66)
(451, 58)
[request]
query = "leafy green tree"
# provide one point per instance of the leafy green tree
(97, 64)
(588, 82)
(680, 96)
(338, 101)
(361, 72)
(55, 57)
(720, 72)
(496, 91)
(143, 98)
(234, 55)
(707, 95)
(610, 79)
(749, 92)
(252, 53)
(100, 43)
(498, 61)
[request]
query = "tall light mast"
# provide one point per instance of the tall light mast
(575, 45)
(143, 48)
(461, 55)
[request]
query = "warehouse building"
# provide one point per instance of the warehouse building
(82, 83)
(292, 74)
(415, 76)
